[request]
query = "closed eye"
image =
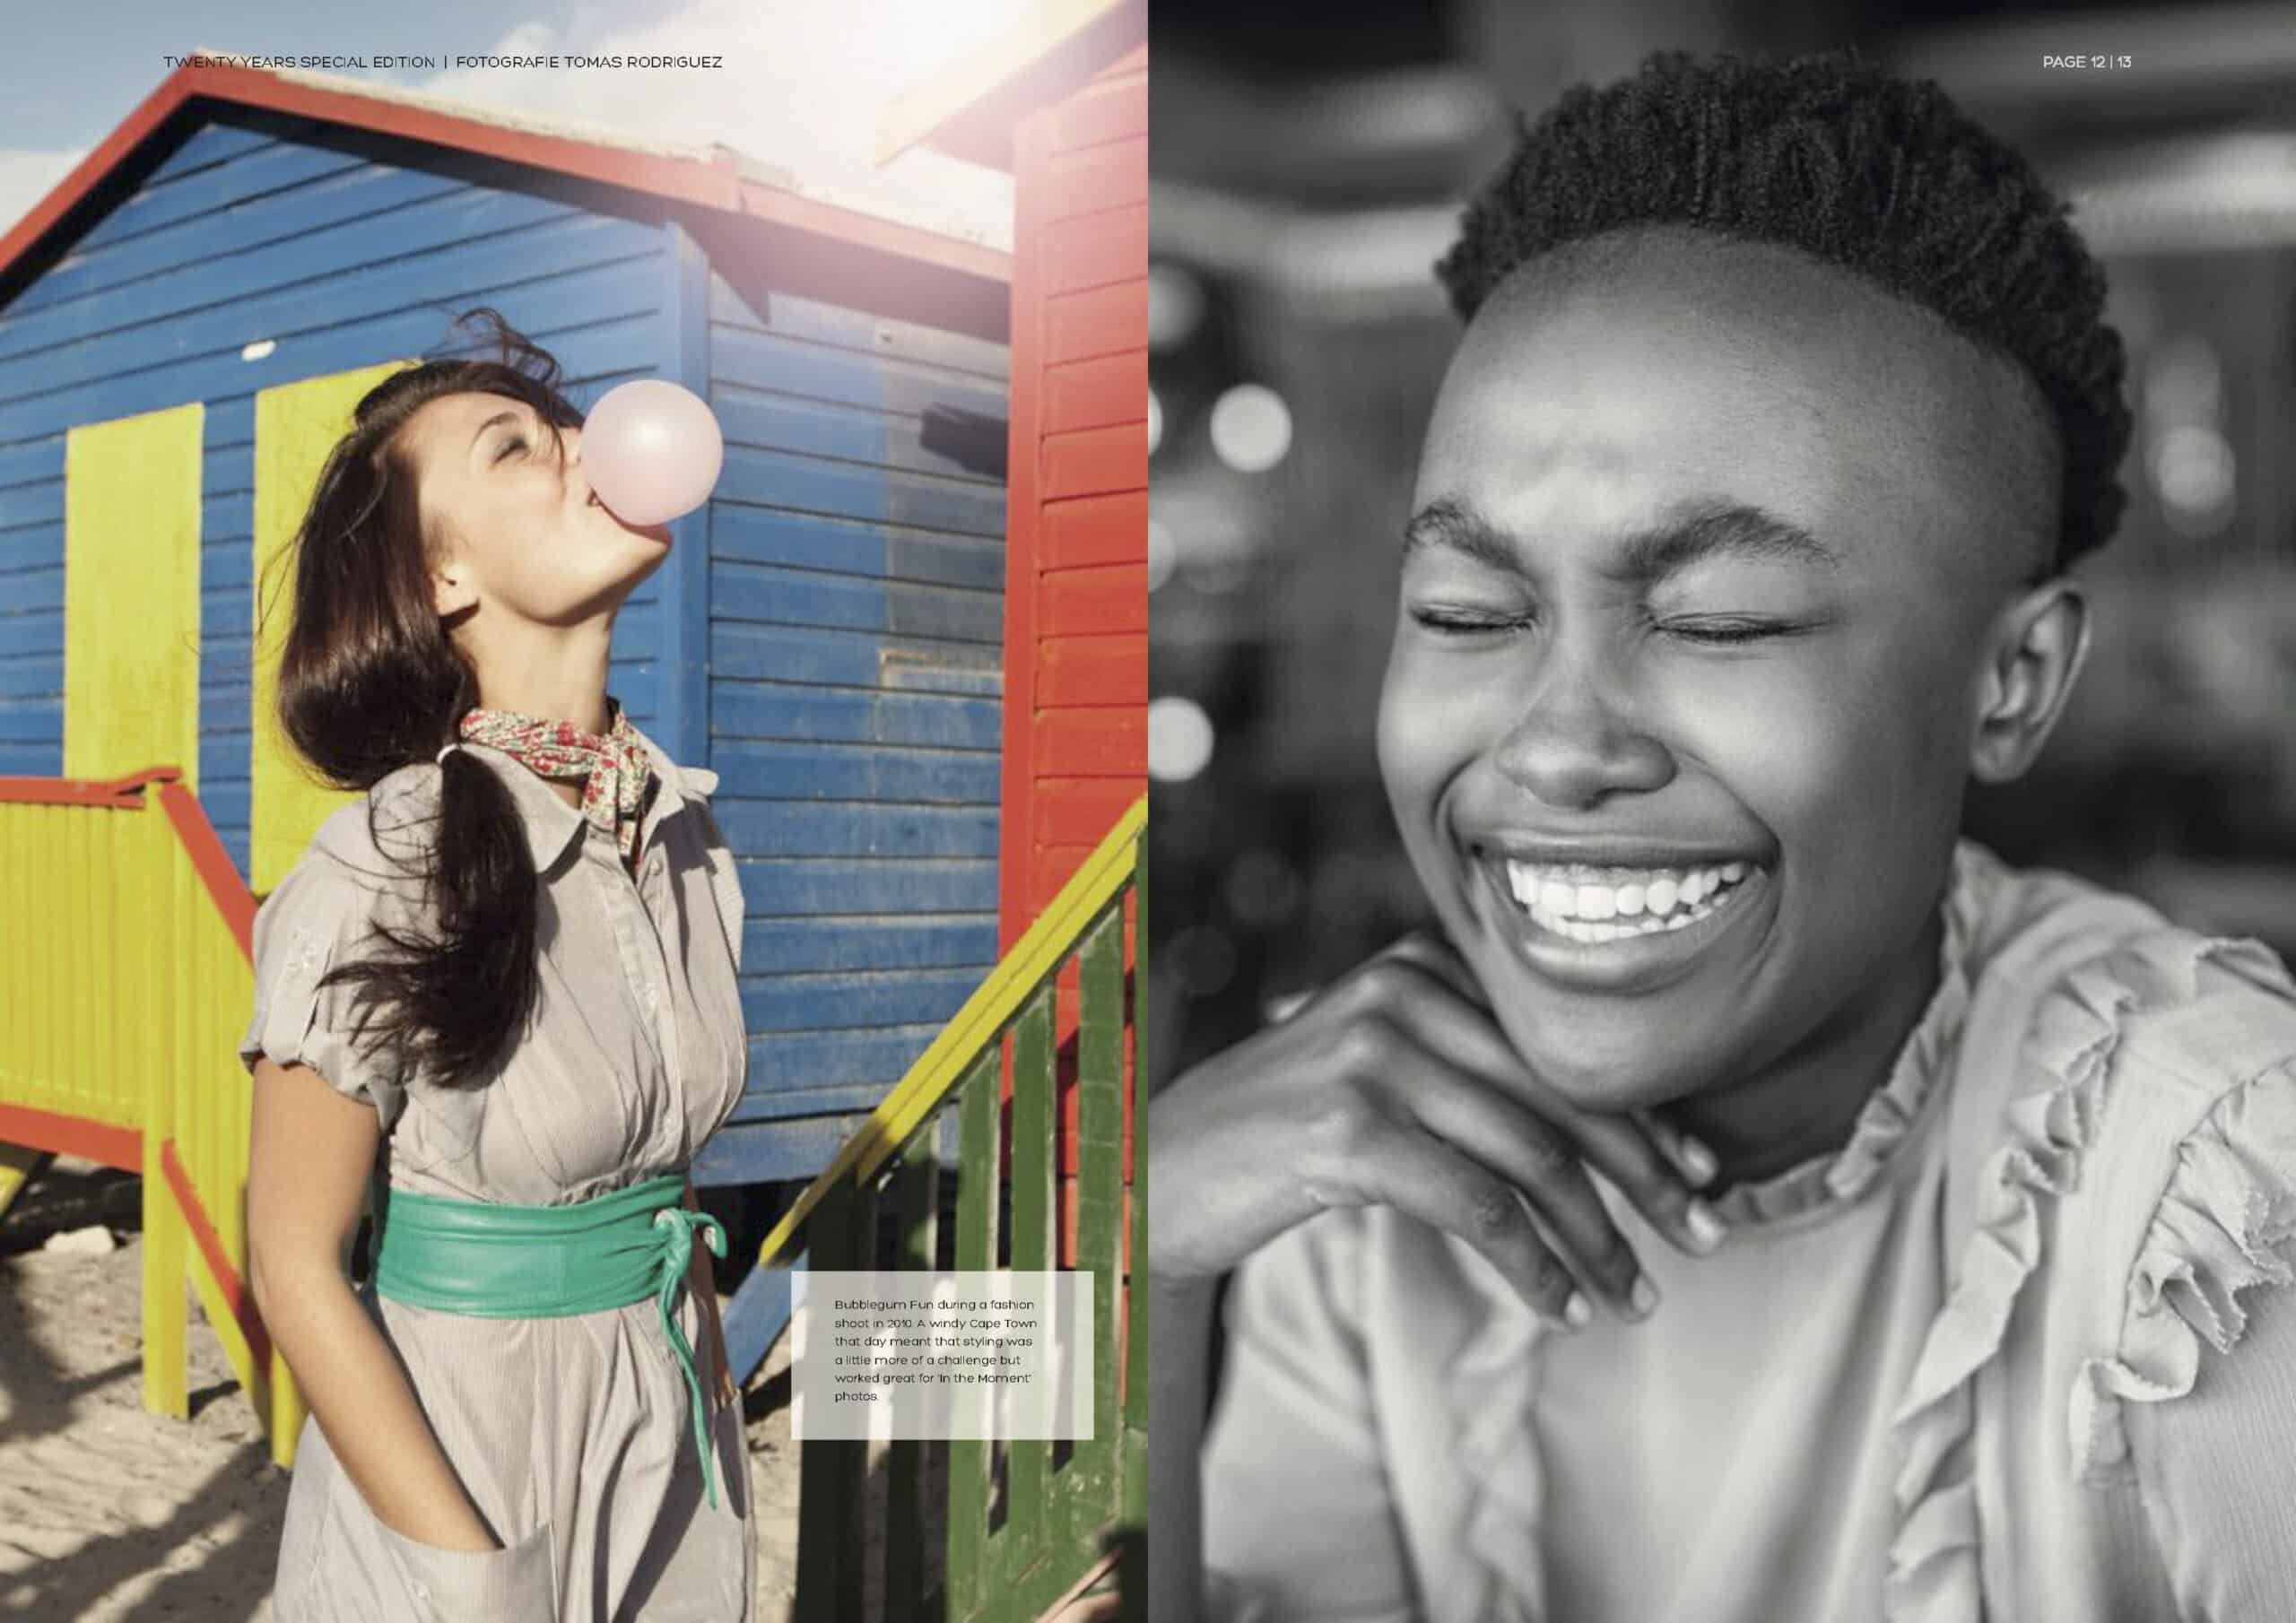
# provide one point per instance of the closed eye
(1467, 625)
(515, 439)
(1724, 632)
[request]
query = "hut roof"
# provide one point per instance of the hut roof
(969, 108)
(713, 176)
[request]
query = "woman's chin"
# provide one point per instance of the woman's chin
(1628, 1071)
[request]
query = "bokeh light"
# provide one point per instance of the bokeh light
(2193, 469)
(1251, 428)
(1179, 739)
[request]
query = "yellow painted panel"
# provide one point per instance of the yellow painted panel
(166, 1368)
(131, 595)
(19, 1165)
(296, 425)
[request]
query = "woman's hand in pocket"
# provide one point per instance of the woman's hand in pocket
(517, 1583)
(1393, 1085)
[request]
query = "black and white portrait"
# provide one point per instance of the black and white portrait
(1723, 622)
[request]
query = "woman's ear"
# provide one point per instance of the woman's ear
(450, 589)
(2033, 655)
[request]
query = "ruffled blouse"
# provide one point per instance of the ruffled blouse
(1947, 1371)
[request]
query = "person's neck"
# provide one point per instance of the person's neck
(561, 676)
(561, 679)
(1807, 1103)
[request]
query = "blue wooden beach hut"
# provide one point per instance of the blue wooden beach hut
(184, 323)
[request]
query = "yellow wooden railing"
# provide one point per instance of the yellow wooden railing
(125, 978)
(1061, 1526)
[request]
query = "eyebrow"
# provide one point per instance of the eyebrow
(1704, 530)
(490, 422)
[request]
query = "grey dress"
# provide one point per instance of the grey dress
(574, 1435)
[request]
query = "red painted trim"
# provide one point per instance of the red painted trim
(1017, 822)
(237, 1297)
(120, 1147)
(226, 887)
(679, 179)
(121, 793)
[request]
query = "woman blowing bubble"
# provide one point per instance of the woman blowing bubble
(1753, 1201)
(501, 988)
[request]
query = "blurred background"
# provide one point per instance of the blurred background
(1306, 175)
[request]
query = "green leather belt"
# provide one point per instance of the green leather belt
(503, 1261)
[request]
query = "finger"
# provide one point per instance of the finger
(1535, 1157)
(1432, 951)
(1282, 1007)
(1696, 1161)
(1435, 1017)
(1438, 1184)
(1656, 1185)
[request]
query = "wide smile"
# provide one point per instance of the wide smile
(1618, 928)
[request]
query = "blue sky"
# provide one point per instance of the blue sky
(801, 88)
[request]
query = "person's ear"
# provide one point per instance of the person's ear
(451, 592)
(2033, 655)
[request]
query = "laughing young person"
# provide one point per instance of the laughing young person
(1753, 1200)
(499, 991)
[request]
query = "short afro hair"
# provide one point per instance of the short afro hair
(1833, 155)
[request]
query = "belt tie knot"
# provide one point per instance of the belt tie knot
(678, 1222)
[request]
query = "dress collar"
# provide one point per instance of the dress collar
(1886, 1125)
(552, 825)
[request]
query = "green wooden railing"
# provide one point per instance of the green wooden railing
(1004, 1557)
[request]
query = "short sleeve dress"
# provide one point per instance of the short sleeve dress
(2020, 1349)
(572, 1436)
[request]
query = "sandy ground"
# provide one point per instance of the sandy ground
(110, 1515)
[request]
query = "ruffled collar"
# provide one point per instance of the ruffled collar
(1885, 1128)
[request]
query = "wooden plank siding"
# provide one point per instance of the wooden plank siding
(856, 642)
(337, 249)
(1076, 637)
(1076, 584)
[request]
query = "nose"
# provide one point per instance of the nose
(1578, 743)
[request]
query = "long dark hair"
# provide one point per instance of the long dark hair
(370, 681)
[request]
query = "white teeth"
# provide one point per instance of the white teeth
(1591, 904)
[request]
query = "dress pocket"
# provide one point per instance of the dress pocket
(515, 1585)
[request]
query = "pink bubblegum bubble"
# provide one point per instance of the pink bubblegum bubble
(652, 451)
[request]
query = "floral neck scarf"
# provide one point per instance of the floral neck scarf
(615, 769)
